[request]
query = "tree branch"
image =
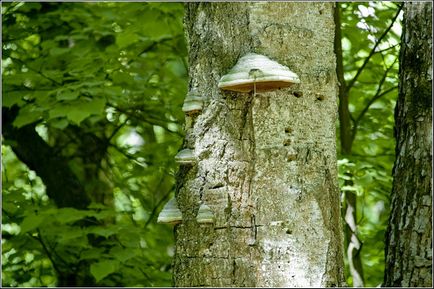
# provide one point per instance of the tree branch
(140, 118)
(154, 210)
(127, 155)
(114, 132)
(371, 101)
(150, 47)
(378, 94)
(37, 71)
(373, 156)
(387, 49)
(47, 252)
(359, 71)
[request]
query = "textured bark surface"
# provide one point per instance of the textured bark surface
(266, 164)
(409, 235)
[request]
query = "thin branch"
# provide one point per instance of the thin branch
(116, 130)
(387, 49)
(373, 156)
(352, 117)
(154, 211)
(127, 155)
(370, 102)
(9, 7)
(25, 89)
(378, 94)
(47, 252)
(149, 121)
(359, 71)
(144, 50)
(37, 71)
(152, 46)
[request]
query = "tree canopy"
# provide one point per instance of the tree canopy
(103, 90)
(91, 115)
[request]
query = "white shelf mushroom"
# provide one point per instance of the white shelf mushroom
(258, 73)
(205, 215)
(185, 156)
(193, 103)
(170, 213)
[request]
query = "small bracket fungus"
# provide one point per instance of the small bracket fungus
(258, 73)
(193, 103)
(185, 157)
(205, 215)
(170, 213)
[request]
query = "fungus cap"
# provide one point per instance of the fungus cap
(193, 102)
(260, 70)
(185, 156)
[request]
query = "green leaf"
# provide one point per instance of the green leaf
(68, 95)
(27, 115)
(94, 253)
(60, 110)
(102, 269)
(78, 110)
(56, 51)
(68, 215)
(31, 222)
(103, 231)
(13, 97)
(125, 39)
(59, 123)
(82, 109)
(73, 237)
(123, 254)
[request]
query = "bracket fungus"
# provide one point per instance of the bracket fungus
(170, 213)
(185, 157)
(205, 215)
(193, 103)
(258, 73)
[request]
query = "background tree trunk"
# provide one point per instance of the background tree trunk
(353, 244)
(409, 239)
(266, 164)
(64, 187)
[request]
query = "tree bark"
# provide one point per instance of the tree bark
(409, 234)
(266, 163)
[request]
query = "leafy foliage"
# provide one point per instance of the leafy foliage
(371, 42)
(104, 82)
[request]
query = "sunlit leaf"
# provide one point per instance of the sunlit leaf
(31, 222)
(102, 269)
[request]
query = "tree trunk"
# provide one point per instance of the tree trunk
(353, 244)
(63, 186)
(267, 163)
(409, 240)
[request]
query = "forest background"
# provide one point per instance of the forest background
(91, 105)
